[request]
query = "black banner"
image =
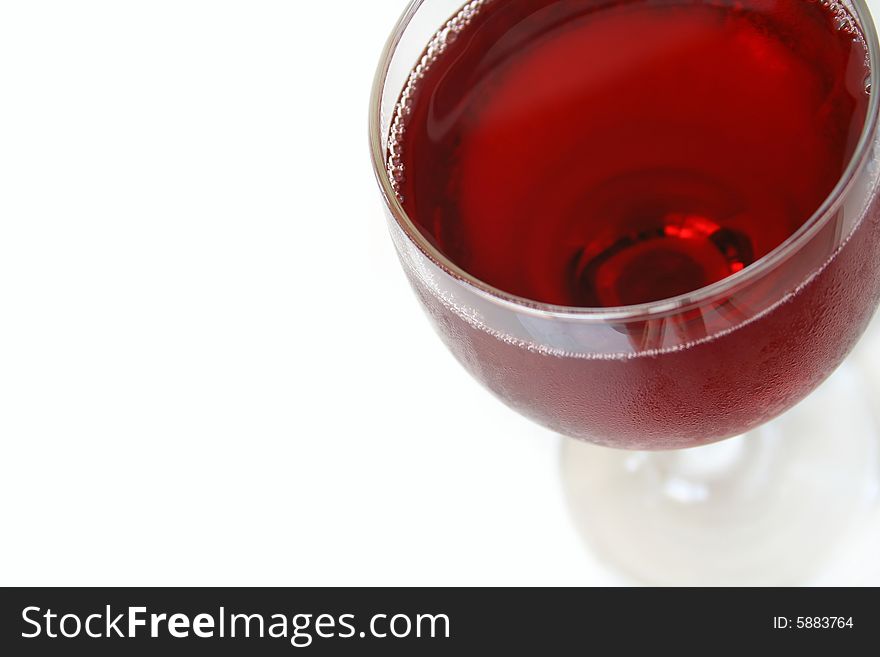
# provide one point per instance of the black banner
(429, 621)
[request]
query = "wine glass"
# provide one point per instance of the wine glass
(662, 383)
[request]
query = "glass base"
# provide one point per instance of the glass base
(777, 506)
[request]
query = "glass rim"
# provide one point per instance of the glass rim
(644, 310)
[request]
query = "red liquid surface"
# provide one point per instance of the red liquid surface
(603, 154)
(590, 153)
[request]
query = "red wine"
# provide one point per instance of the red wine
(609, 152)
(706, 390)
(593, 153)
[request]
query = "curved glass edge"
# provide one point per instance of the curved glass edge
(862, 163)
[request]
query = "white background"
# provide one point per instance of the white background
(212, 371)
